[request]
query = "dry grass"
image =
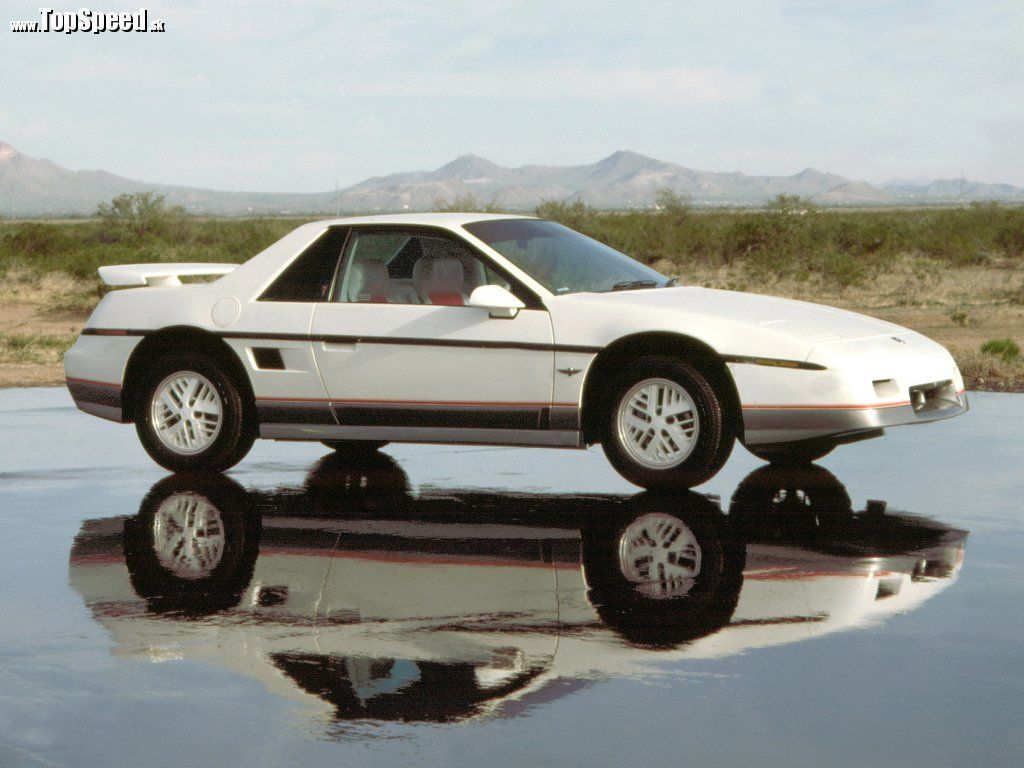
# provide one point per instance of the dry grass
(33, 359)
(39, 349)
(990, 373)
(57, 291)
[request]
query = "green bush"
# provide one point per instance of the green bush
(137, 215)
(1011, 236)
(576, 214)
(464, 204)
(1006, 349)
(80, 248)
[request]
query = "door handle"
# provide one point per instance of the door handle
(339, 346)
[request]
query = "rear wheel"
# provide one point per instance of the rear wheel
(665, 427)
(191, 416)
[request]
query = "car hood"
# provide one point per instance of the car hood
(799, 320)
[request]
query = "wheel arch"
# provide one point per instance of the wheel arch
(171, 340)
(602, 372)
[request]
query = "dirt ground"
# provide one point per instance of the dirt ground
(36, 320)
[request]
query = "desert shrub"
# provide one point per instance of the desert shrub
(672, 205)
(137, 215)
(577, 214)
(863, 234)
(465, 203)
(1005, 349)
(1010, 237)
(80, 248)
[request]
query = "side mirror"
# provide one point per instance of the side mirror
(496, 300)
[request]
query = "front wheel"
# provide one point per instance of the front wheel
(665, 427)
(191, 416)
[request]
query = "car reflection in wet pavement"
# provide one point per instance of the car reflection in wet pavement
(371, 602)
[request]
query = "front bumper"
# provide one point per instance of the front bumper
(769, 425)
(865, 386)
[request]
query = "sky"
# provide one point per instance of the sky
(297, 96)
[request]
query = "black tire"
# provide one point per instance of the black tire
(355, 447)
(713, 442)
(156, 547)
(796, 456)
(660, 613)
(236, 432)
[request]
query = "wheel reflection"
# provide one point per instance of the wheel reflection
(384, 602)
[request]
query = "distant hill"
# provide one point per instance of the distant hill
(952, 189)
(856, 193)
(30, 187)
(624, 179)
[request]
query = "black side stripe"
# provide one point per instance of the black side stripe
(437, 416)
(333, 339)
(772, 362)
(294, 413)
(529, 417)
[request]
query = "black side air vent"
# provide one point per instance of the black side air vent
(268, 359)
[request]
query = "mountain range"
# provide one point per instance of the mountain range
(32, 187)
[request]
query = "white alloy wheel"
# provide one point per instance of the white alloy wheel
(657, 422)
(660, 555)
(186, 412)
(188, 536)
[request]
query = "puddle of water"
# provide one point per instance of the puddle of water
(449, 605)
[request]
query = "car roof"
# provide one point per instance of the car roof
(423, 219)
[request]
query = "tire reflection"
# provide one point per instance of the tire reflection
(383, 602)
(192, 546)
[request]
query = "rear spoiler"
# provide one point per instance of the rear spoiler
(159, 274)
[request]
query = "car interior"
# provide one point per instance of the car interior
(390, 269)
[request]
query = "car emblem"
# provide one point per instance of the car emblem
(569, 371)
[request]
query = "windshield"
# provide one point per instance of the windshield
(562, 260)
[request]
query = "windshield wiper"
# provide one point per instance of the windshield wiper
(672, 282)
(632, 285)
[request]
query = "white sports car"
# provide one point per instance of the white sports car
(488, 329)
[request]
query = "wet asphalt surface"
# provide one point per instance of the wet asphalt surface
(436, 605)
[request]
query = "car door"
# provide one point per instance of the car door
(403, 357)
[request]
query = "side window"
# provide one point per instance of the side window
(308, 278)
(382, 267)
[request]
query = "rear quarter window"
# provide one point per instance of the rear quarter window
(308, 278)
